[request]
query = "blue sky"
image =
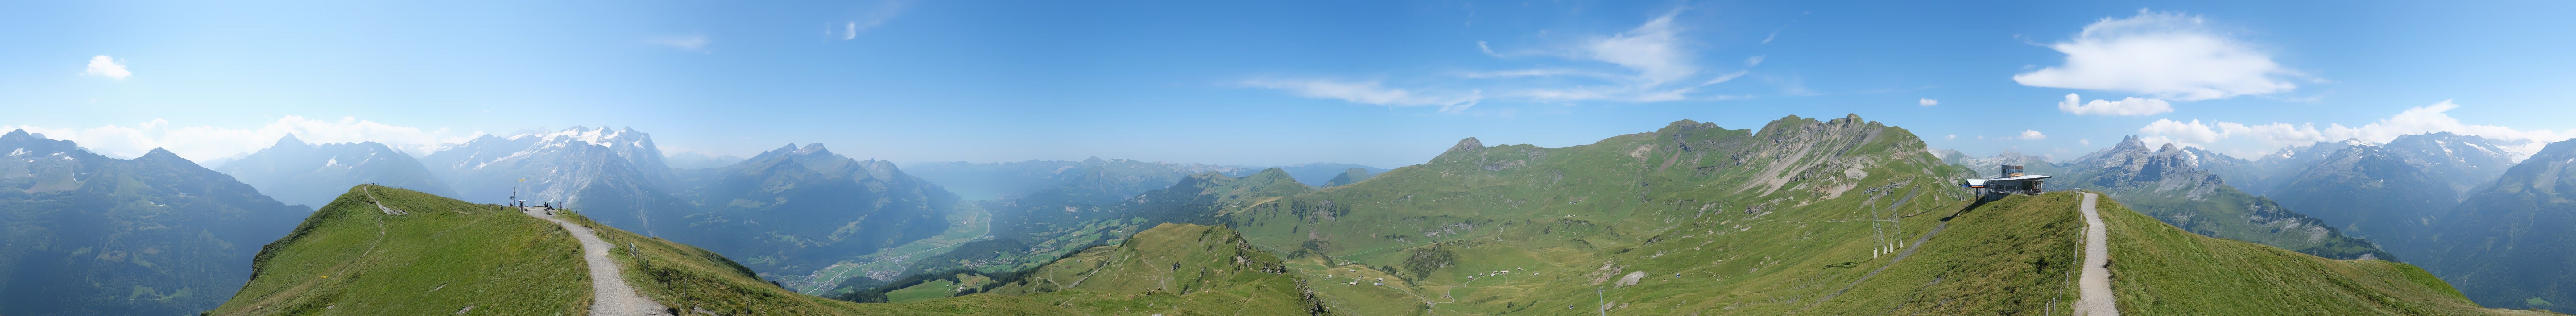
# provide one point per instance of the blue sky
(1370, 82)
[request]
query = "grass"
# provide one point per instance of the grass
(1174, 269)
(968, 222)
(351, 259)
(2160, 270)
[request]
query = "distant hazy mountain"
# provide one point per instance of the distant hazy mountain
(1349, 176)
(2510, 243)
(695, 160)
(1987, 166)
(84, 234)
(2459, 161)
(617, 176)
(2169, 185)
(793, 210)
(1111, 178)
(1323, 173)
(314, 174)
(2369, 191)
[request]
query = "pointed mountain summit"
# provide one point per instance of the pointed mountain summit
(2168, 184)
(309, 174)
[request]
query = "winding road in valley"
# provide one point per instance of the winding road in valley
(610, 294)
(2094, 298)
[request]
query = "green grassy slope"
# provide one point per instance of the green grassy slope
(1174, 269)
(1748, 221)
(2168, 183)
(2228, 213)
(2159, 270)
(447, 255)
(351, 259)
(1803, 217)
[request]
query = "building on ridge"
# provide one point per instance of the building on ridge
(2008, 180)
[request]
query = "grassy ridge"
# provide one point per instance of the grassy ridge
(445, 256)
(688, 278)
(1175, 269)
(2160, 270)
(351, 259)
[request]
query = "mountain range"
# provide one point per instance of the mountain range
(2169, 184)
(812, 208)
(311, 174)
(85, 234)
(1799, 216)
(2508, 242)
(2469, 209)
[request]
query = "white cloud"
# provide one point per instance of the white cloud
(2032, 135)
(2252, 140)
(2084, 142)
(1927, 102)
(2128, 106)
(200, 143)
(1651, 62)
(1756, 60)
(2164, 55)
(1371, 92)
(104, 66)
(693, 42)
(1952, 136)
(882, 12)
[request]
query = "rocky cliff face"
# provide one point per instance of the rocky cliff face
(2168, 171)
(2169, 184)
(84, 234)
(314, 174)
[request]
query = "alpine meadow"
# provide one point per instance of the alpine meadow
(1333, 158)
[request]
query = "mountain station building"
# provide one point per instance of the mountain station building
(2008, 180)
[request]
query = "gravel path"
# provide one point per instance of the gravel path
(2095, 296)
(611, 296)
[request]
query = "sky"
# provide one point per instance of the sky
(1381, 83)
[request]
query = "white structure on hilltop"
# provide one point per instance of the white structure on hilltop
(2010, 180)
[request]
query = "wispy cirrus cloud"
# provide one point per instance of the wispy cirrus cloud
(1372, 93)
(874, 15)
(690, 42)
(1653, 61)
